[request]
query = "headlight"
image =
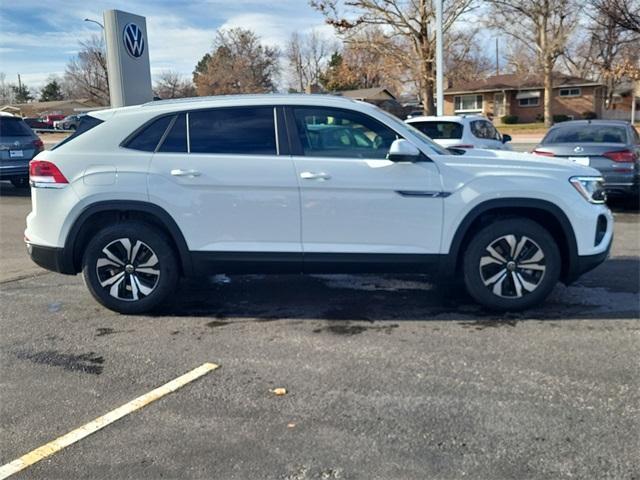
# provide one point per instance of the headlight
(591, 188)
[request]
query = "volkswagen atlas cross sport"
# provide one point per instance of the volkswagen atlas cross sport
(140, 196)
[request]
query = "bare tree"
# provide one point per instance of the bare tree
(86, 75)
(603, 49)
(543, 25)
(239, 63)
(465, 60)
(623, 13)
(171, 84)
(308, 56)
(407, 28)
(6, 92)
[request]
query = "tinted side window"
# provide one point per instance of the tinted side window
(176, 139)
(484, 129)
(328, 132)
(87, 122)
(440, 130)
(244, 130)
(147, 139)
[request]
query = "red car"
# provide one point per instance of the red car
(49, 119)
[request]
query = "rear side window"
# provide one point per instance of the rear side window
(148, 138)
(176, 139)
(14, 127)
(484, 129)
(586, 134)
(439, 130)
(248, 131)
(87, 122)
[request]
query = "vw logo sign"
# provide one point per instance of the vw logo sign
(133, 40)
(578, 149)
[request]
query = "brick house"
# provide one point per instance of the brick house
(523, 96)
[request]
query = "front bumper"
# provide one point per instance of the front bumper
(586, 263)
(50, 258)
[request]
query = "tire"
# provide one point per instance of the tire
(496, 260)
(20, 182)
(130, 285)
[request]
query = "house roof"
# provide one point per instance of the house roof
(512, 81)
(376, 93)
(66, 106)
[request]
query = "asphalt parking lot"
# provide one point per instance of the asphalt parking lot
(386, 376)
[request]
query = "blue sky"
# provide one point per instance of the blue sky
(37, 38)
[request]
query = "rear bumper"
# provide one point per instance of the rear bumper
(50, 258)
(11, 171)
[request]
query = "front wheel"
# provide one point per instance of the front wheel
(511, 264)
(130, 267)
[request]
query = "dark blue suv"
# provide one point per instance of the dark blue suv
(18, 145)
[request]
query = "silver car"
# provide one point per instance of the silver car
(611, 146)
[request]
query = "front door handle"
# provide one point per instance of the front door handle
(315, 176)
(178, 172)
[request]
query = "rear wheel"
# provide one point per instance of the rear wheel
(511, 264)
(130, 267)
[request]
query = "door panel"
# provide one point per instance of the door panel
(225, 199)
(353, 200)
(360, 209)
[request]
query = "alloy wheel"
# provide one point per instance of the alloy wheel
(128, 269)
(512, 266)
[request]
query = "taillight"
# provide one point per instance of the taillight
(461, 146)
(38, 145)
(543, 153)
(45, 174)
(622, 156)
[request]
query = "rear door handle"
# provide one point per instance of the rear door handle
(178, 172)
(315, 176)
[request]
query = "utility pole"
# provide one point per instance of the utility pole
(439, 61)
(19, 84)
(497, 59)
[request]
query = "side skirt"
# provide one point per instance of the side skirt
(276, 262)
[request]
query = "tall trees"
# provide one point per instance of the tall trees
(86, 75)
(307, 56)
(51, 91)
(21, 93)
(171, 84)
(239, 63)
(623, 13)
(407, 33)
(545, 26)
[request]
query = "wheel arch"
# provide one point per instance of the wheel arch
(547, 214)
(97, 214)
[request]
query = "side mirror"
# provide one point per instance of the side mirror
(403, 151)
(506, 138)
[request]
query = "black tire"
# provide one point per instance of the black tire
(508, 285)
(142, 283)
(20, 182)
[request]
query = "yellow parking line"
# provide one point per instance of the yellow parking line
(101, 422)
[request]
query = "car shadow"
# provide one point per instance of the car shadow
(608, 292)
(8, 190)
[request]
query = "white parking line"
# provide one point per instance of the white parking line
(87, 429)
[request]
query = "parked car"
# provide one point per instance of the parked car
(139, 196)
(50, 118)
(70, 122)
(36, 122)
(610, 146)
(18, 145)
(467, 131)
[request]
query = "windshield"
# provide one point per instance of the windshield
(425, 140)
(439, 130)
(14, 127)
(586, 134)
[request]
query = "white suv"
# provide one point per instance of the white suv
(466, 131)
(143, 195)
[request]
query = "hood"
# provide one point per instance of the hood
(501, 162)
